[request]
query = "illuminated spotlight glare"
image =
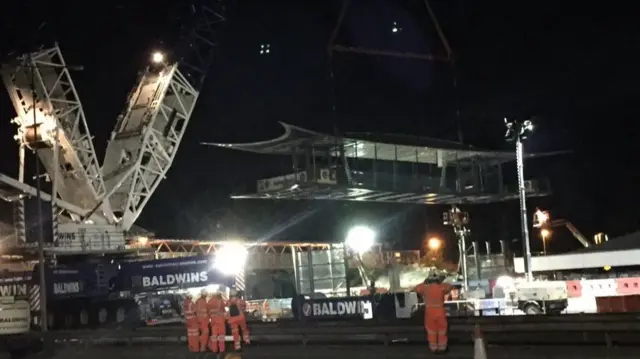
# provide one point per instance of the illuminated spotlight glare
(505, 282)
(434, 243)
(231, 258)
(360, 239)
(157, 57)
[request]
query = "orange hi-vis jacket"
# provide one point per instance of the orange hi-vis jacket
(202, 311)
(434, 294)
(215, 307)
(189, 309)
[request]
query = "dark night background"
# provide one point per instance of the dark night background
(573, 66)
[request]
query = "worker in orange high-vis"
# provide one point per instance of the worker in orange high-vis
(217, 312)
(202, 314)
(237, 320)
(435, 318)
(191, 321)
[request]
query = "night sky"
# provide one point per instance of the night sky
(574, 67)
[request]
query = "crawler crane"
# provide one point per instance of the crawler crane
(96, 205)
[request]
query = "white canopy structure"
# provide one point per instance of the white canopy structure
(368, 167)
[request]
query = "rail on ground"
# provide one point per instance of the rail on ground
(593, 330)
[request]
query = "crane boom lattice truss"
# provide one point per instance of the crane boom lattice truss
(58, 113)
(147, 135)
(142, 146)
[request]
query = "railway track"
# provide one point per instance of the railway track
(415, 321)
(323, 351)
(580, 337)
(601, 330)
(587, 334)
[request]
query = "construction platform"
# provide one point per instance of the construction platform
(398, 169)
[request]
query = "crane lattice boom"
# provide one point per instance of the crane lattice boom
(147, 135)
(104, 202)
(57, 106)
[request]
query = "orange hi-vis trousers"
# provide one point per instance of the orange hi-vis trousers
(238, 323)
(435, 323)
(218, 331)
(203, 323)
(193, 334)
(202, 313)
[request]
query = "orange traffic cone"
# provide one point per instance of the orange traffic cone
(479, 349)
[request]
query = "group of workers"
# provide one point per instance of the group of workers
(206, 318)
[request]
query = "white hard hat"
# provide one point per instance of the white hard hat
(204, 292)
(189, 295)
(233, 292)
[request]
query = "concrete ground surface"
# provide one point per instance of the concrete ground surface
(176, 351)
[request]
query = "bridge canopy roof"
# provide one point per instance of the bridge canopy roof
(370, 146)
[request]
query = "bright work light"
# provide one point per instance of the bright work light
(360, 239)
(231, 258)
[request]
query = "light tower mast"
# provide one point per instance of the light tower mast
(518, 131)
(459, 221)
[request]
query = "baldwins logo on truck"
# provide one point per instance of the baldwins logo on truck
(174, 279)
(13, 290)
(66, 288)
(336, 307)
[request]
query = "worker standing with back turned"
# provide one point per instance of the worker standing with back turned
(237, 320)
(191, 321)
(217, 313)
(202, 313)
(435, 317)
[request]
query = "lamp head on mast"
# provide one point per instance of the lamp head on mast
(157, 57)
(517, 129)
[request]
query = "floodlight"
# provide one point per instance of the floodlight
(157, 57)
(434, 243)
(505, 282)
(231, 258)
(541, 217)
(360, 239)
